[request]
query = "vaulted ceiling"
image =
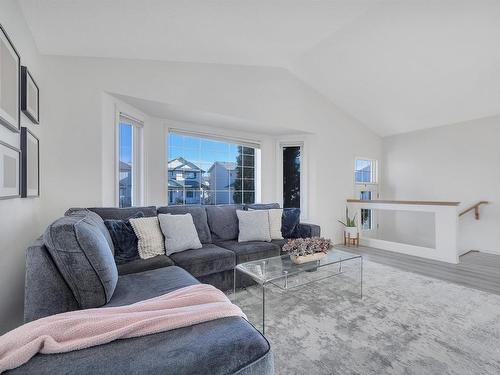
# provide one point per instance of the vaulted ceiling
(397, 65)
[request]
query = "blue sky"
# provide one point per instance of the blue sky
(203, 152)
(125, 143)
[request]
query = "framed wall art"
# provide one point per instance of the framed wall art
(30, 94)
(30, 164)
(10, 66)
(10, 158)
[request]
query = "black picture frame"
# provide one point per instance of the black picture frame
(26, 79)
(14, 126)
(26, 192)
(17, 152)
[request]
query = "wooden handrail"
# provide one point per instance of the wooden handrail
(475, 208)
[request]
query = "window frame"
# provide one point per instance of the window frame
(137, 157)
(219, 136)
(375, 170)
(304, 196)
(373, 187)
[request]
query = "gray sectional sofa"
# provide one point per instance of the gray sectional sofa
(223, 346)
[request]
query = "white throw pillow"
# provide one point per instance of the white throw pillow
(275, 222)
(149, 236)
(180, 233)
(253, 225)
(275, 219)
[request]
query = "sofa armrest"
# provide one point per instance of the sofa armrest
(304, 230)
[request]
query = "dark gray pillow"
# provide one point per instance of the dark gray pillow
(290, 221)
(124, 239)
(96, 219)
(223, 221)
(82, 255)
(199, 218)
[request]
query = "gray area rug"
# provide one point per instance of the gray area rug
(405, 324)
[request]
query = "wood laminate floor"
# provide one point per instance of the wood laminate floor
(475, 270)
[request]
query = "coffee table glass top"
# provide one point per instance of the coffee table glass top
(269, 269)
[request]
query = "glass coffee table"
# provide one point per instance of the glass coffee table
(281, 272)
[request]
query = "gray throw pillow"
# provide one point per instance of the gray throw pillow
(253, 225)
(180, 233)
(84, 259)
(98, 221)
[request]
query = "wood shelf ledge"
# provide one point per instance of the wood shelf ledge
(419, 203)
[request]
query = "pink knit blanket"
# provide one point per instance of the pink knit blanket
(85, 328)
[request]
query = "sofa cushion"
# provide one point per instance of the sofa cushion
(45, 291)
(199, 217)
(136, 287)
(141, 265)
(96, 219)
(223, 222)
(248, 251)
(207, 260)
(180, 233)
(123, 213)
(82, 255)
(280, 243)
(124, 239)
(222, 346)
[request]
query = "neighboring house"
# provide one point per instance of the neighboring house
(222, 179)
(125, 193)
(184, 182)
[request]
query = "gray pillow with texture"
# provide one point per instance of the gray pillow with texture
(82, 255)
(180, 233)
(96, 219)
(199, 217)
(253, 226)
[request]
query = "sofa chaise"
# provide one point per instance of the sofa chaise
(223, 346)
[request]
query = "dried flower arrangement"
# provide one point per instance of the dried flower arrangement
(307, 246)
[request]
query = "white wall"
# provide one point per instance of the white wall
(19, 218)
(459, 162)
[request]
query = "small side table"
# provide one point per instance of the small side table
(348, 240)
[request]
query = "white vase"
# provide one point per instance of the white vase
(351, 231)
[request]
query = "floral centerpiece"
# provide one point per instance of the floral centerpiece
(304, 250)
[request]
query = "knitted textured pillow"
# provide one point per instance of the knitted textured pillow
(149, 236)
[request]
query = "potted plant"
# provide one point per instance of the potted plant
(303, 250)
(350, 226)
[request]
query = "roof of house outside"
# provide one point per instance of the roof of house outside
(181, 164)
(124, 167)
